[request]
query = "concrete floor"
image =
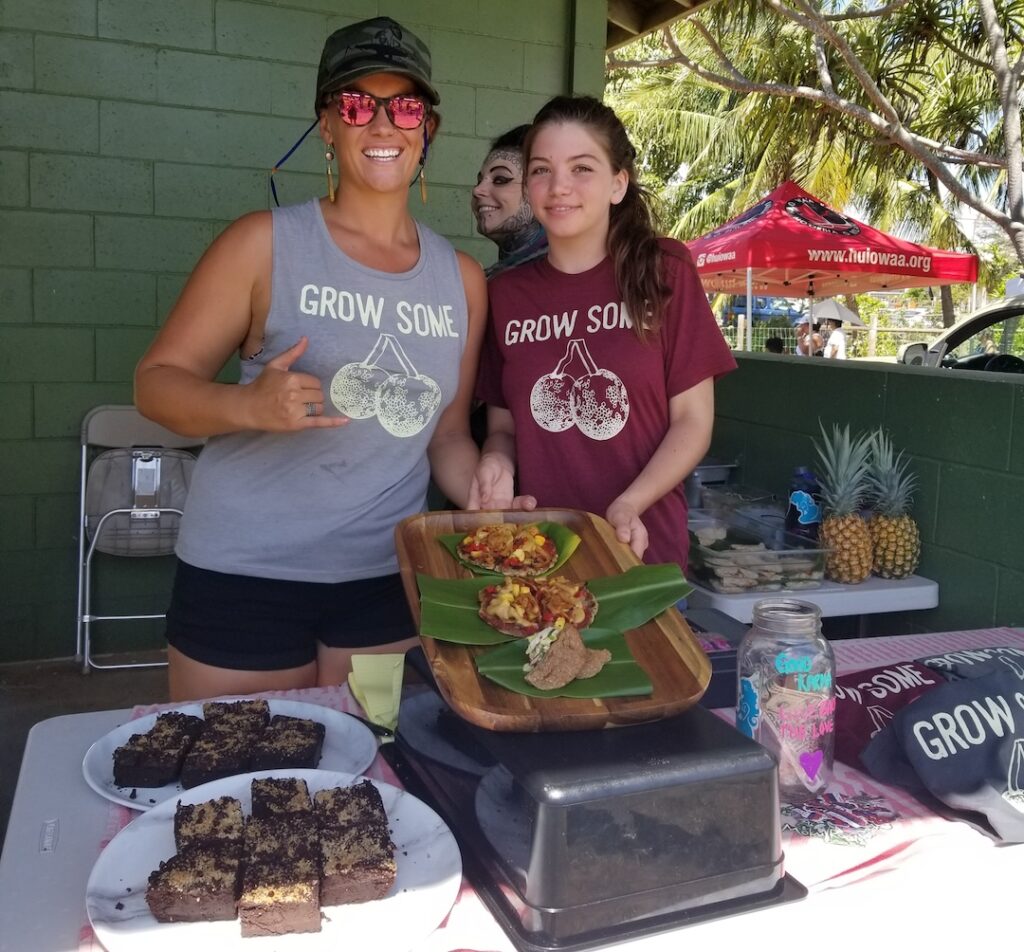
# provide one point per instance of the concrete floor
(33, 691)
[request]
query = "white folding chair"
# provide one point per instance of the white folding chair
(134, 479)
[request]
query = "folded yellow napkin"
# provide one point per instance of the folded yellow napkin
(376, 683)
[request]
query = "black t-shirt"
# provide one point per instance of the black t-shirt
(976, 662)
(964, 743)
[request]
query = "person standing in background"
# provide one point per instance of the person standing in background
(808, 340)
(503, 214)
(835, 343)
(500, 205)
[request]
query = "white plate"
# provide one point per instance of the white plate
(429, 876)
(349, 747)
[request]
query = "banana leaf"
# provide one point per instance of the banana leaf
(639, 594)
(566, 542)
(448, 607)
(449, 611)
(620, 677)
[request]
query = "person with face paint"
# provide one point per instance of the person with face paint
(358, 330)
(500, 205)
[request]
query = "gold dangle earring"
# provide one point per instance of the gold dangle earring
(423, 166)
(329, 155)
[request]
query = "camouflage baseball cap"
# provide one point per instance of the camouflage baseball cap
(379, 45)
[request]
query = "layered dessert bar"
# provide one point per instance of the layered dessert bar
(281, 885)
(250, 715)
(272, 796)
(198, 884)
(279, 897)
(213, 823)
(357, 856)
(288, 742)
(219, 752)
(154, 758)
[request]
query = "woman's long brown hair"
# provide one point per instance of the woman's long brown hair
(632, 235)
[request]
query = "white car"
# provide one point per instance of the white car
(989, 339)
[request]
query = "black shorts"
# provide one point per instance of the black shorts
(259, 624)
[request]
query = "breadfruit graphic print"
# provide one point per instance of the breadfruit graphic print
(354, 386)
(550, 396)
(594, 400)
(403, 401)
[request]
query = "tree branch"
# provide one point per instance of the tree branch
(1006, 82)
(670, 42)
(823, 73)
(811, 20)
(864, 14)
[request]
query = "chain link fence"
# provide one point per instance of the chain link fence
(887, 342)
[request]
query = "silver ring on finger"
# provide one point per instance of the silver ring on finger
(311, 409)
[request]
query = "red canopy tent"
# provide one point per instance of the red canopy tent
(790, 244)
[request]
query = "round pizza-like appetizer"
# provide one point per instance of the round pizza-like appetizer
(522, 607)
(509, 548)
(512, 607)
(564, 599)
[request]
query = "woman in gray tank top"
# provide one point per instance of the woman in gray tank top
(359, 331)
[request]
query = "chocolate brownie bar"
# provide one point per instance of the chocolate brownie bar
(342, 806)
(280, 897)
(211, 823)
(281, 884)
(272, 796)
(288, 742)
(250, 715)
(219, 752)
(357, 856)
(198, 884)
(154, 758)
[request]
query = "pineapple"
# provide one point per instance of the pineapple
(895, 538)
(844, 487)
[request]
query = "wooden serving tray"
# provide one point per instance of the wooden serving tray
(664, 647)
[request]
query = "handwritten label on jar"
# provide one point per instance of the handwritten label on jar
(806, 680)
(807, 721)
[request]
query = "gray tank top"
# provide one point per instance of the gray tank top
(321, 505)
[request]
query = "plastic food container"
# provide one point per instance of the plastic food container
(735, 554)
(742, 499)
(576, 841)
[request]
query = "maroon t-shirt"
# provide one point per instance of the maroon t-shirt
(589, 400)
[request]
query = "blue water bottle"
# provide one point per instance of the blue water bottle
(803, 515)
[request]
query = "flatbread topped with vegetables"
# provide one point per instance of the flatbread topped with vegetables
(509, 548)
(521, 607)
(564, 599)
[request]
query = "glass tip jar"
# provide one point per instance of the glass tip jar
(785, 696)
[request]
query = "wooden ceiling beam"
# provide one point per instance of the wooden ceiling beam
(630, 19)
(625, 14)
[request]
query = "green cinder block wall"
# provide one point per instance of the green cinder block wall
(131, 133)
(964, 432)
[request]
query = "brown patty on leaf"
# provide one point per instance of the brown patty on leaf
(566, 659)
